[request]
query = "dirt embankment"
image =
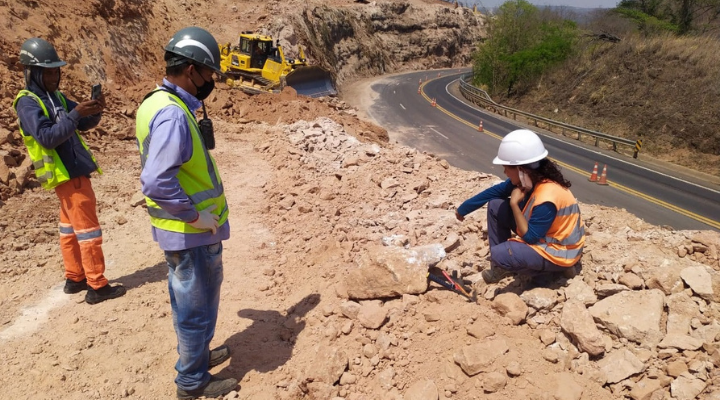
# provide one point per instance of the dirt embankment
(660, 90)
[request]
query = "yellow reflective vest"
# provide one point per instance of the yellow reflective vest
(49, 168)
(198, 177)
(564, 241)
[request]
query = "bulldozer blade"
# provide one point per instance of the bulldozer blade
(311, 81)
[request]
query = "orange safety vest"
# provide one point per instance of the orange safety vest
(563, 243)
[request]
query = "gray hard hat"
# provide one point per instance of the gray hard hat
(194, 44)
(36, 52)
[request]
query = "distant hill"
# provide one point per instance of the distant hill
(577, 14)
(574, 13)
(579, 10)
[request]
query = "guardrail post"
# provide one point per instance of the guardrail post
(597, 141)
(615, 147)
(638, 146)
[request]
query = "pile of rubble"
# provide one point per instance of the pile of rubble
(640, 321)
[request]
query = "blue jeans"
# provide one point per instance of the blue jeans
(517, 257)
(194, 283)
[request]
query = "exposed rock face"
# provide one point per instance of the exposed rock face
(382, 37)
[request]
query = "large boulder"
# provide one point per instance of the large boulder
(392, 271)
(577, 322)
(632, 315)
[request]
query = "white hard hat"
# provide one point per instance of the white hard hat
(520, 147)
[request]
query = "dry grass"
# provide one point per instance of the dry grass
(662, 90)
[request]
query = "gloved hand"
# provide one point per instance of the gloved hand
(206, 220)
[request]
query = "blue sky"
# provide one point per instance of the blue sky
(574, 3)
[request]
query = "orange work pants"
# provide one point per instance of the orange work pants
(80, 234)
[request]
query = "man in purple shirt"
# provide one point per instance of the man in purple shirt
(187, 206)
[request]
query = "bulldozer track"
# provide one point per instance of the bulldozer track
(265, 83)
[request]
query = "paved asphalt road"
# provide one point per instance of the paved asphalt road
(450, 130)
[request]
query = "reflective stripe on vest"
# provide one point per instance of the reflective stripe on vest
(49, 168)
(564, 241)
(198, 177)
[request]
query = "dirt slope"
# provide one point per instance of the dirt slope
(659, 90)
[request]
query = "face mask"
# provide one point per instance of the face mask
(525, 181)
(205, 89)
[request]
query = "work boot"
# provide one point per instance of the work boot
(218, 356)
(547, 280)
(106, 292)
(72, 287)
(215, 388)
(573, 271)
(494, 274)
(570, 272)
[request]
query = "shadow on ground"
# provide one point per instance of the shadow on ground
(156, 273)
(268, 342)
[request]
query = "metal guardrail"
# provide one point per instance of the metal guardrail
(481, 98)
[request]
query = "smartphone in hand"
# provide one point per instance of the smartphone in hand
(96, 91)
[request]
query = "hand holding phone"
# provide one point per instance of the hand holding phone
(96, 91)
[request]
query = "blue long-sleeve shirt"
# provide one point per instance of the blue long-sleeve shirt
(58, 131)
(540, 221)
(170, 147)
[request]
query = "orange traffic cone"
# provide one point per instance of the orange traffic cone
(434, 103)
(603, 177)
(593, 176)
(419, 89)
(480, 127)
(420, 81)
(438, 74)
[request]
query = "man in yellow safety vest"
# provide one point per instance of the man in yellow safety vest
(187, 206)
(50, 124)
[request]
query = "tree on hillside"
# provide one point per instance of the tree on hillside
(650, 7)
(521, 45)
(680, 16)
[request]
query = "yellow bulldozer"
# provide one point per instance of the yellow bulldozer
(256, 65)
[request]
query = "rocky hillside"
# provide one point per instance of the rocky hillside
(119, 45)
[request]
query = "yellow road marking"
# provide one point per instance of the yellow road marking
(632, 192)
